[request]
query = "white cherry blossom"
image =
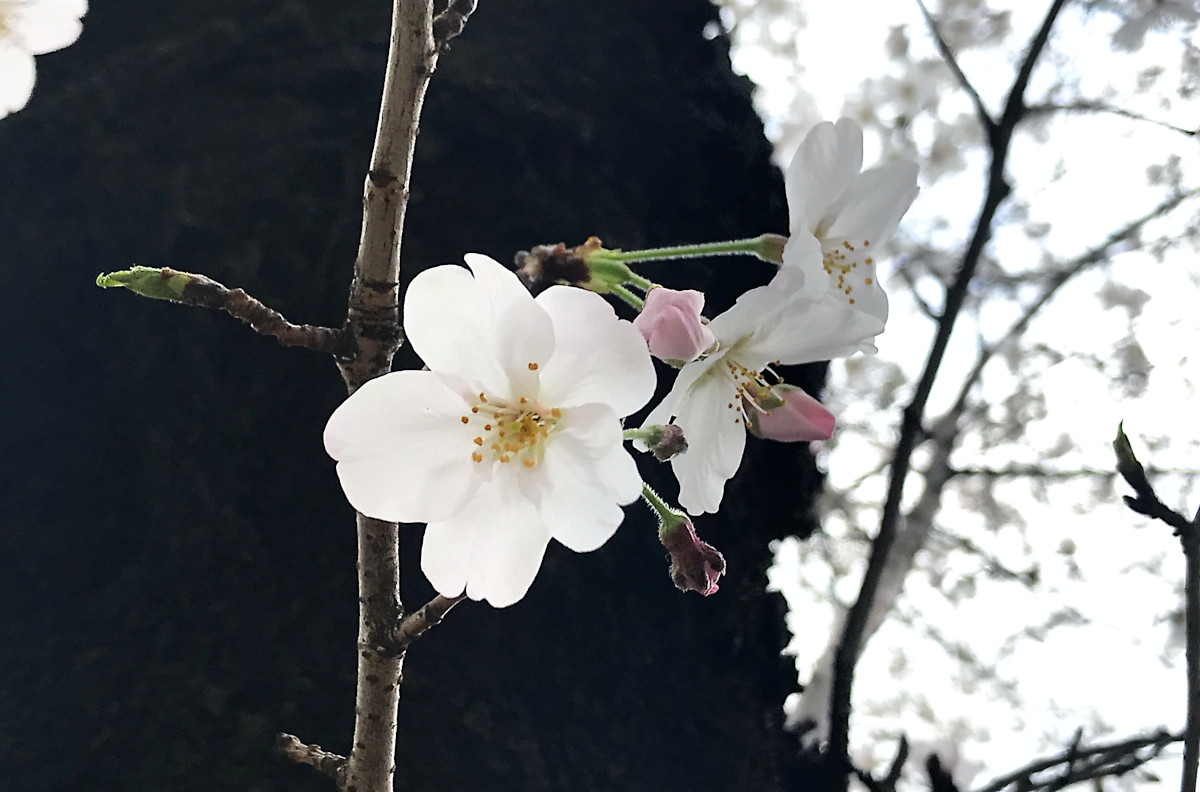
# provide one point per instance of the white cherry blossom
(765, 326)
(840, 218)
(28, 28)
(512, 438)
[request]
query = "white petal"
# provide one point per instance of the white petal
(449, 324)
(49, 25)
(825, 164)
(522, 333)
(597, 357)
(715, 442)
(804, 331)
(492, 549)
(874, 204)
(19, 75)
(668, 408)
(403, 453)
(586, 482)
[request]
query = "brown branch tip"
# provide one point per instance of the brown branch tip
(315, 756)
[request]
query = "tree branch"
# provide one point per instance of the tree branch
(188, 288)
(1191, 596)
(1093, 761)
(330, 764)
(452, 20)
(417, 623)
(373, 318)
(1093, 106)
(981, 111)
(373, 322)
(1089, 258)
(998, 189)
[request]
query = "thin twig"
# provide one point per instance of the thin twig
(206, 292)
(1091, 761)
(417, 623)
(998, 189)
(981, 111)
(1093, 106)
(330, 764)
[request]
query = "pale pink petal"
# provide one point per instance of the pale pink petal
(800, 418)
(403, 453)
(578, 506)
(597, 357)
(492, 549)
(671, 323)
(715, 442)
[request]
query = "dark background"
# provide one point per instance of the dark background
(176, 558)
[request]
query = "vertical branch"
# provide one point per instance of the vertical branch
(374, 313)
(377, 699)
(999, 138)
(373, 322)
(1191, 594)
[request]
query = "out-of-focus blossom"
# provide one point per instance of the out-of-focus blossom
(29, 28)
(512, 438)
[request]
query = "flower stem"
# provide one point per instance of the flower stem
(754, 247)
(668, 518)
(628, 297)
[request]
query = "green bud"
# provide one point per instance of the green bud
(152, 282)
(1129, 467)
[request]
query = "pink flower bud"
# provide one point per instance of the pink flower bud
(786, 413)
(695, 565)
(670, 322)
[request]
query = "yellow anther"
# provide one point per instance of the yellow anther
(533, 366)
(868, 281)
(483, 398)
(465, 419)
(557, 413)
(528, 463)
(478, 457)
(505, 458)
(524, 400)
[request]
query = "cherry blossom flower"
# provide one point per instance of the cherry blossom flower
(513, 436)
(711, 398)
(670, 321)
(28, 28)
(841, 217)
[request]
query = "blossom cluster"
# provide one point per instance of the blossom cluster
(514, 435)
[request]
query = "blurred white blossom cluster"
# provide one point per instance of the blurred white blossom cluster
(1082, 314)
(29, 28)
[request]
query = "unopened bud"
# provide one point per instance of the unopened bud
(786, 413)
(664, 440)
(152, 282)
(695, 565)
(671, 323)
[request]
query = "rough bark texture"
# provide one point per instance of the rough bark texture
(179, 561)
